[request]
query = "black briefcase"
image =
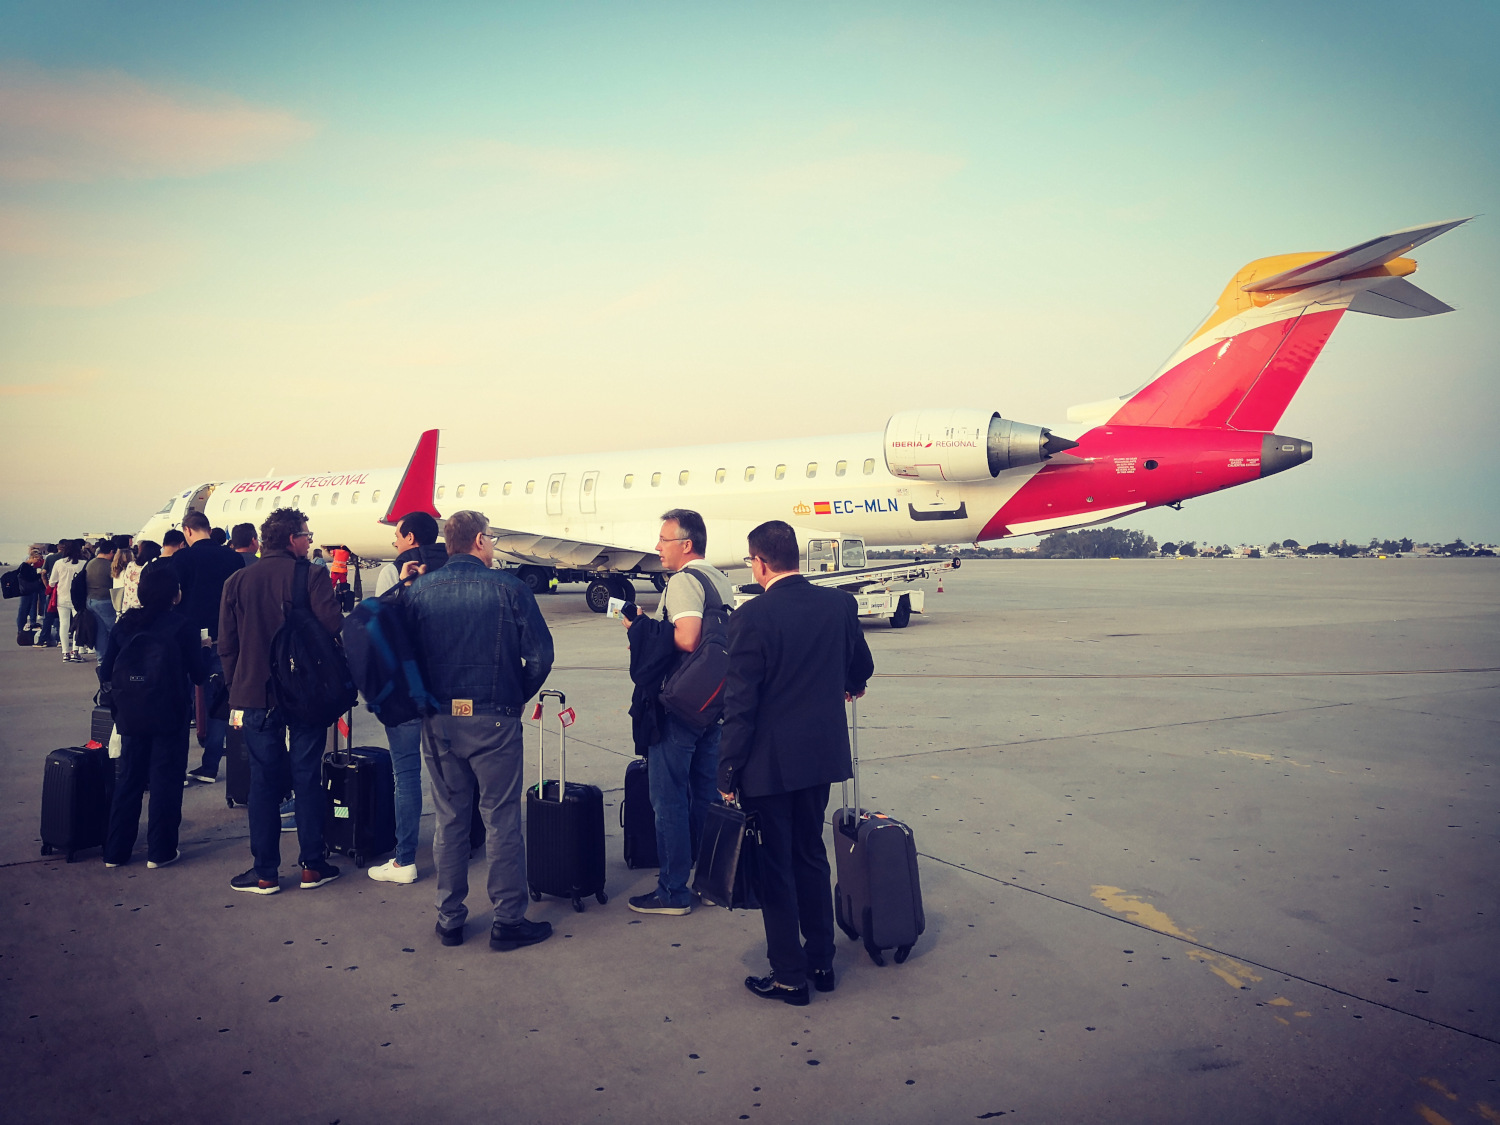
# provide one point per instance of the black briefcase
(728, 870)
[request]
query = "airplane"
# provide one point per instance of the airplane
(1204, 422)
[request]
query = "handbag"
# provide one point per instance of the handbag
(728, 869)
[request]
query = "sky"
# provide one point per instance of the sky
(238, 238)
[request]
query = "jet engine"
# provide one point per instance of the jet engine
(961, 443)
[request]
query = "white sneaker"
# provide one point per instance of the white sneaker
(153, 864)
(390, 872)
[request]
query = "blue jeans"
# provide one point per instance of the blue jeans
(682, 773)
(273, 770)
(29, 609)
(215, 731)
(406, 761)
(104, 612)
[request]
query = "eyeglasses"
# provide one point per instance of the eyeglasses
(674, 539)
(492, 536)
(750, 561)
(303, 535)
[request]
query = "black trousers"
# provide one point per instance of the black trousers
(796, 895)
(160, 759)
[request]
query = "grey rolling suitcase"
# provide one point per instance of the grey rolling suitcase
(878, 896)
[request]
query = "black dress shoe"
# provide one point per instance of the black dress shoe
(769, 989)
(525, 932)
(454, 936)
(822, 980)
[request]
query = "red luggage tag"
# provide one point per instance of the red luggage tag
(567, 717)
(343, 728)
(536, 712)
(92, 745)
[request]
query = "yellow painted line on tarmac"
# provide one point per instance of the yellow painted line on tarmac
(1486, 1112)
(1139, 910)
(1434, 1084)
(1227, 969)
(1281, 1002)
(1431, 1116)
(1264, 758)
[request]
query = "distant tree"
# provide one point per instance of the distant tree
(1190, 548)
(1169, 548)
(1096, 543)
(1320, 549)
(1290, 544)
(1406, 545)
(1255, 552)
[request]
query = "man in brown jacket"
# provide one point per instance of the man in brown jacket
(254, 606)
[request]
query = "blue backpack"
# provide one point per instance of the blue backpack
(383, 660)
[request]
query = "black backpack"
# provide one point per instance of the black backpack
(310, 681)
(694, 691)
(146, 690)
(383, 658)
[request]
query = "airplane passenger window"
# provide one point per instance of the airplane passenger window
(556, 487)
(506, 488)
(530, 487)
(335, 499)
(259, 500)
(749, 472)
(812, 468)
(353, 499)
(226, 506)
(869, 465)
(243, 502)
(314, 500)
(375, 497)
(780, 472)
(459, 491)
(629, 479)
(682, 477)
(296, 499)
(840, 468)
(718, 476)
(484, 490)
(442, 488)
(588, 485)
(655, 479)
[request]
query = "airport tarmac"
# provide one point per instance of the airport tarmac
(1203, 840)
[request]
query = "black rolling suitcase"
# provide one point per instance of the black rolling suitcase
(564, 828)
(637, 818)
(77, 785)
(361, 791)
(878, 896)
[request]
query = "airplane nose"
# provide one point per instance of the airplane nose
(1277, 453)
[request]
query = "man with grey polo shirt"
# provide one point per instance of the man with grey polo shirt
(485, 651)
(682, 764)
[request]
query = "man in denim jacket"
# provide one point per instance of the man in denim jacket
(485, 651)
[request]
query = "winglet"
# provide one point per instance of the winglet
(1365, 256)
(418, 483)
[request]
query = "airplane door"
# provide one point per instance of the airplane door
(555, 493)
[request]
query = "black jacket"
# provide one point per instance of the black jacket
(202, 570)
(172, 628)
(653, 655)
(793, 653)
(432, 556)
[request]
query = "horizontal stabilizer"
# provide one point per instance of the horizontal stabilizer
(1397, 298)
(1367, 255)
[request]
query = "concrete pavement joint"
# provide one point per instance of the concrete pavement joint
(1214, 949)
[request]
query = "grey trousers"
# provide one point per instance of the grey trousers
(482, 750)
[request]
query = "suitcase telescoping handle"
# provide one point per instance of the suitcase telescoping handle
(541, 748)
(854, 759)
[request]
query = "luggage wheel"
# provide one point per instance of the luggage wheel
(902, 953)
(578, 905)
(358, 858)
(601, 898)
(870, 947)
(536, 895)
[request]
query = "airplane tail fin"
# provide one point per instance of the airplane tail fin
(1242, 365)
(418, 484)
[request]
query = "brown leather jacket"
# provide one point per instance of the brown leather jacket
(252, 609)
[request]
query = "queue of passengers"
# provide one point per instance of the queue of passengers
(796, 654)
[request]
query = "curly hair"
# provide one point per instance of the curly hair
(278, 528)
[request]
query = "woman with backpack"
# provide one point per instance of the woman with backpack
(68, 567)
(150, 663)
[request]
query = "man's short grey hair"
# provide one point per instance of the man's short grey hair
(690, 523)
(462, 529)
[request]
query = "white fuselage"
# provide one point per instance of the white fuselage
(562, 508)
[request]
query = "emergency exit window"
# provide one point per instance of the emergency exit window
(588, 485)
(556, 487)
(869, 466)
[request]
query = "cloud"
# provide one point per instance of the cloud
(107, 125)
(57, 259)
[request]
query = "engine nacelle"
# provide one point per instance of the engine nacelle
(962, 443)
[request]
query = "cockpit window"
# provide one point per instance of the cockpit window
(167, 507)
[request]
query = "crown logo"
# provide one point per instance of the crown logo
(801, 510)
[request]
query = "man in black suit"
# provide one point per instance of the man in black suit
(796, 654)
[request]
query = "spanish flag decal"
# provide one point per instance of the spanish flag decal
(822, 508)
